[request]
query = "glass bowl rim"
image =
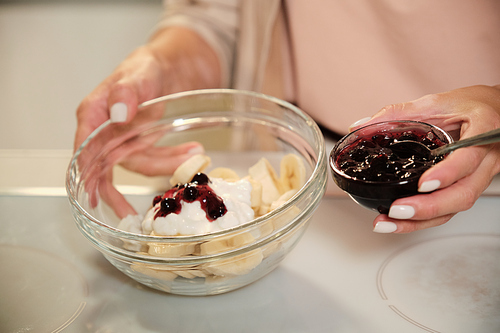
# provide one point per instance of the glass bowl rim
(316, 173)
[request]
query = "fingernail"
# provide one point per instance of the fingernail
(383, 227)
(429, 186)
(196, 150)
(359, 122)
(118, 112)
(401, 212)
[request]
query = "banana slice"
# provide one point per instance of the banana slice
(227, 174)
(190, 274)
(198, 273)
(264, 173)
(271, 248)
(240, 240)
(266, 229)
(238, 265)
(283, 198)
(263, 210)
(170, 250)
(292, 172)
(226, 244)
(286, 217)
(185, 274)
(255, 194)
(153, 272)
(185, 172)
(214, 246)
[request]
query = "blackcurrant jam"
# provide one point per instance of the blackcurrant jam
(365, 166)
(198, 189)
(372, 159)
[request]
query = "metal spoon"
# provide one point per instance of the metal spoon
(477, 140)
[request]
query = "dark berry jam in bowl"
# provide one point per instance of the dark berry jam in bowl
(364, 165)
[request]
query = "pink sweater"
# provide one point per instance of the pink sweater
(349, 58)
(354, 57)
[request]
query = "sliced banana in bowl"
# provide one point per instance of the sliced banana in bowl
(269, 190)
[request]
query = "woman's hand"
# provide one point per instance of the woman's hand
(175, 59)
(136, 80)
(454, 184)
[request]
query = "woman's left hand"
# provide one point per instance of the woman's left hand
(454, 184)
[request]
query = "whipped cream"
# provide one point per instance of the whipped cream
(192, 218)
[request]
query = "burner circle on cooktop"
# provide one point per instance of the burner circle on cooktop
(448, 284)
(40, 291)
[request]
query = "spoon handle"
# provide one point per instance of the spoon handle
(477, 140)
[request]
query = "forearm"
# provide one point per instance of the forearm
(187, 61)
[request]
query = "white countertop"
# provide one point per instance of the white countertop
(341, 277)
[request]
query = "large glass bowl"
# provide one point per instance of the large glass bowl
(378, 195)
(236, 129)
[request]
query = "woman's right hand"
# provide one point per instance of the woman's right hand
(453, 185)
(135, 80)
(175, 59)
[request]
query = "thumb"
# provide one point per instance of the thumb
(400, 111)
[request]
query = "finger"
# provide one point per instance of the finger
(91, 113)
(453, 199)
(457, 165)
(110, 195)
(390, 112)
(92, 191)
(161, 161)
(427, 109)
(457, 197)
(91, 182)
(143, 81)
(184, 148)
(385, 224)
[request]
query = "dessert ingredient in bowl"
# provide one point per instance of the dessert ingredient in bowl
(203, 212)
(186, 171)
(220, 200)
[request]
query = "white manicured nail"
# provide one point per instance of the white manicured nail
(118, 112)
(385, 227)
(429, 186)
(359, 122)
(401, 212)
(196, 150)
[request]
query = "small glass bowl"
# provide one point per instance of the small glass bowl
(379, 195)
(236, 128)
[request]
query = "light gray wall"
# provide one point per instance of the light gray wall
(52, 54)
